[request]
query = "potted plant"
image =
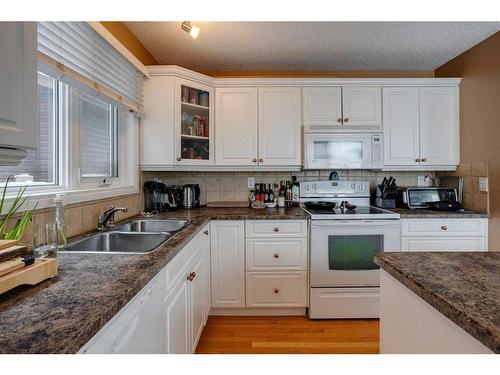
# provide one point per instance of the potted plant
(18, 230)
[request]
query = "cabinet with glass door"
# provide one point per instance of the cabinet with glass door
(193, 123)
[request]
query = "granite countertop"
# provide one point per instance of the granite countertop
(463, 286)
(61, 314)
(407, 213)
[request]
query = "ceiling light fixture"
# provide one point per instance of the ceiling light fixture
(190, 29)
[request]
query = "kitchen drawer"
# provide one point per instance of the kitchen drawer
(276, 228)
(443, 244)
(344, 303)
(280, 289)
(443, 227)
(276, 254)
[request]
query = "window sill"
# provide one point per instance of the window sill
(44, 199)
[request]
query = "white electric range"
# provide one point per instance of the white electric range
(344, 280)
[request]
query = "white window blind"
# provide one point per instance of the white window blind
(78, 46)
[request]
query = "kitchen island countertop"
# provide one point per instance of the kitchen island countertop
(463, 286)
(61, 314)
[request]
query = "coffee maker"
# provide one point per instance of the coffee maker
(159, 197)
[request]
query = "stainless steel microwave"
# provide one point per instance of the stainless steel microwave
(329, 150)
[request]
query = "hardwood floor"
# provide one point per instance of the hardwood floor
(288, 335)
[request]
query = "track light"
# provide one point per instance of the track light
(190, 29)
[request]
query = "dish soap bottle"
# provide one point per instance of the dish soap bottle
(59, 222)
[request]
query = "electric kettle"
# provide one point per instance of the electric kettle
(191, 196)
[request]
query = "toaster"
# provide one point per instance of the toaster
(427, 198)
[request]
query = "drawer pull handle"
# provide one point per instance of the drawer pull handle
(191, 276)
(276, 229)
(346, 119)
(444, 227)
(276, 290)
(339, 120)
(276, 256)
(205, 232)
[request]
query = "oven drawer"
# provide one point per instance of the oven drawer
(443, 227)
(276, 254)
(348, 303)
(276, 228)
(280, 289)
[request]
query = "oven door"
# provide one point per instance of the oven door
(342, 251)
(329, 151)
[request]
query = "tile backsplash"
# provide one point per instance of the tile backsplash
(80, 217)
(232, 186)
(471, 171)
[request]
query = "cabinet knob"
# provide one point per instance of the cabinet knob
(194, 275)
(205, 232)
(444, 227)
(276, 256)
(276, 290)
(346, 119)
(261, 160)
(179, 158)
(339, 120)
(254, 160)
(191, 276)
(276, 229)
(424, 160)
(417, 160)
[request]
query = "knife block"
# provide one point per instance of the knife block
(383, 203)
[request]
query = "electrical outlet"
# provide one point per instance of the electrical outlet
(251, 182)
(483, 183)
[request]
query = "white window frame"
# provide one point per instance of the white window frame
(69, 184)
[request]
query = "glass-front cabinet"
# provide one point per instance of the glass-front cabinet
(194, 135)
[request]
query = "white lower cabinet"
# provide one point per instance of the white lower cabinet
(444, 234)
(169, 313)
(228, 263)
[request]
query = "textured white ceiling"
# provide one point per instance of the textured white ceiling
(311, 45)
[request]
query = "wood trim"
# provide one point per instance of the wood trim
(68, 72)
(111, 39)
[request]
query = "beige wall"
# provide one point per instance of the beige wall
(479, 68)
(123, 34)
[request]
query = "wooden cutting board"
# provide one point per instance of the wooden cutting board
(11, 266)
(13, 252)
(7, 243)
(41, 270)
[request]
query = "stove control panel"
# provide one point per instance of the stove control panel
(319, 188)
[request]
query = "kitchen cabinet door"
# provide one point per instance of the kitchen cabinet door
(227, 250)
(279, 126)
(236, 126)
(322, 105)
(443, 244)
(401, 126)
(177, 319)
(439, 126)
(18, 83)
(362, 107)
(197, 298)
(157, 126)
(194, 119)
(207, 282)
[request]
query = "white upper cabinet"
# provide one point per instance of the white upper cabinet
(279, 126)
(401, 126)
(421, 127)
(439, 126)
(349, 108)
(362, 106)
(194, 136)
(322, 105)
(18, 85)
(157, 125)
(236, 121)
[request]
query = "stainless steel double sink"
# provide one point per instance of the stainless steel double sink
(135, 237)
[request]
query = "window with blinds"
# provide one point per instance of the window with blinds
(77, 46)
